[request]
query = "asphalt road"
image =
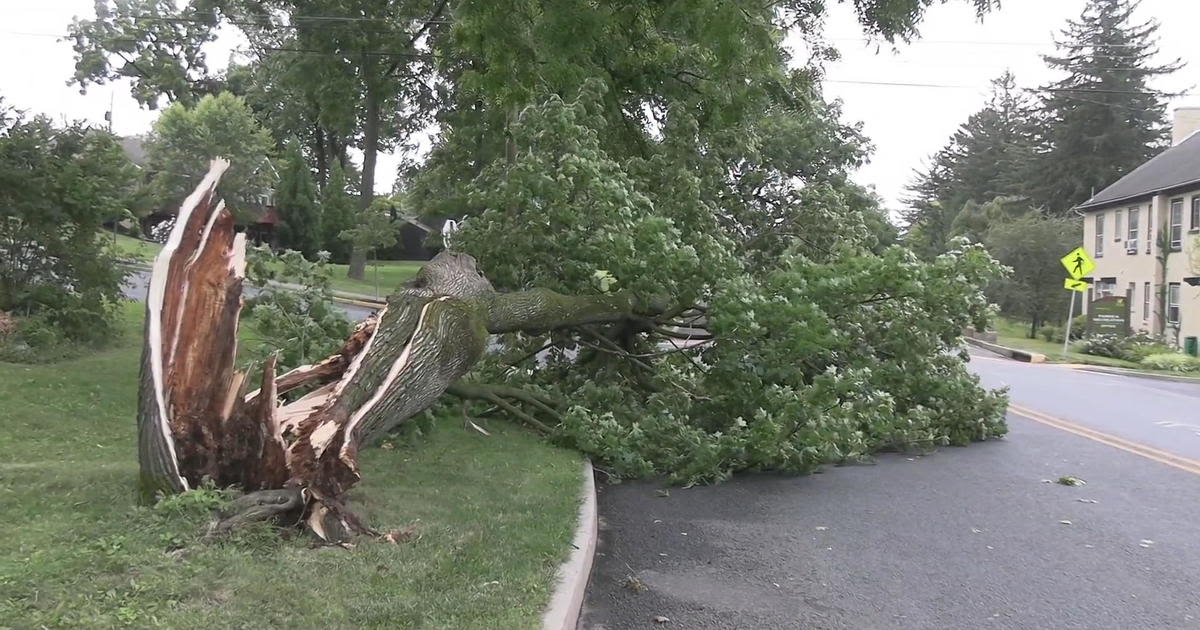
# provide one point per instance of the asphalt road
(973, 537)
(137, 282)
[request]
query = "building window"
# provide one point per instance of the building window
(1145, 301)
(1195, 224)
(1173, 303)
(1176, 224)
(1099, 235)
(1150, 231)
(1131, 243)
(1118, 226)
(1106, 287)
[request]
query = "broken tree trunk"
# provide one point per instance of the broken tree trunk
(197, 422)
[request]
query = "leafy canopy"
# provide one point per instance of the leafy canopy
(184, 139)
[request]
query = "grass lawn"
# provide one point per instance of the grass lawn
(494, 517)
(391, 274)
(129, 248)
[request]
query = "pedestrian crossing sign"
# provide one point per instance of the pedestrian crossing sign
(1078, 263)
(1076, 285)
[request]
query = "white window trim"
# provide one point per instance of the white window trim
(1118, 226)
(1099, 253)
(1173, 287)
(1172, 233)
(1146, 301)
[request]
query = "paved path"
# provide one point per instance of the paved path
(963, 538)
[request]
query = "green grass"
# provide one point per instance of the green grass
(391, 274)
(129, 248)
(494, 517)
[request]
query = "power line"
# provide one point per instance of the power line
(981, 87)
(972, 42)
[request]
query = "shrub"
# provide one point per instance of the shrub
(35, 340)
(1134, 348)
(1172, 362)
(1051, 333)
(1110, 346)
(1078, 327)
(58, 186)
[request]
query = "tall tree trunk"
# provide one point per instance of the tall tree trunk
(358, 256)
(197, 422)
(321, 155)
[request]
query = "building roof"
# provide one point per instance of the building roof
(1173, 168)
(135, 149)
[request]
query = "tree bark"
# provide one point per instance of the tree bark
(197, 423)
(358, 256)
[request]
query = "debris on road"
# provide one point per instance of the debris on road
(1071, 481)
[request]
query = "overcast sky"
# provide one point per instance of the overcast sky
(905, 123)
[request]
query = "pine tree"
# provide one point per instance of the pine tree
(989, 157)
(1103, 119)
(295, 198)
(337, 214)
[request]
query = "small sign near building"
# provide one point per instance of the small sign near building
(1109, 316)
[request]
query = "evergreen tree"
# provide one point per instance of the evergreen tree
(300, 226)
(337, 214)
(987, 158)
(1103, 119)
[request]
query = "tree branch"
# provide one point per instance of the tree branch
(497, 394)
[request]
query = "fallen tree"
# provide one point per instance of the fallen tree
(197, 422)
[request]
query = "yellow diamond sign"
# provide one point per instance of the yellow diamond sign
(1078, 263)
(1076, 285)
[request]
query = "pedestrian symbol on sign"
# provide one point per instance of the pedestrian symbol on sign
(1078, 263)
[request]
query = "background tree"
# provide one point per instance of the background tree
(990, 156)
(373, 231)
(295, 199)
(184, 139)
(1032, 245)
(337, 215)
(134, 39)
(343, 70)
(57, 188)
(1103, 119)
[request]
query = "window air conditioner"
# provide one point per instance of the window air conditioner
(1131, 246)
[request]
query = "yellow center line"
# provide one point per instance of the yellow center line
(1160, 456)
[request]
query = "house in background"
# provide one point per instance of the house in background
(1143, 233)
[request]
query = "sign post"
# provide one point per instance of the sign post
(1078, 265)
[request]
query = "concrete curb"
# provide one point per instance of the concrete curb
(566, 603)
(1012, 353)
(1135, 373)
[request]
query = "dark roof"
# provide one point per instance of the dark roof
(1173, 168)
